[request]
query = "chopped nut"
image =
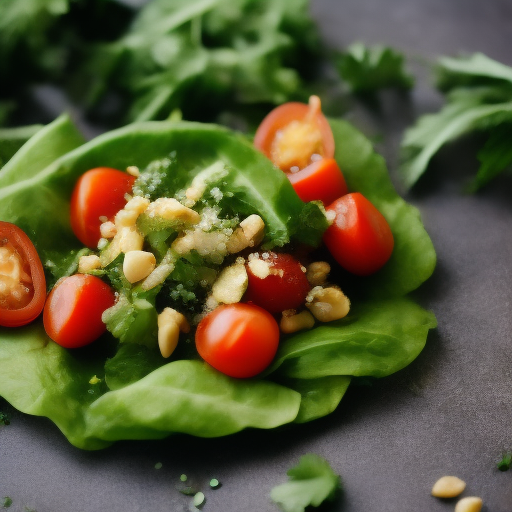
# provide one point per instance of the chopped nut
(133, 170)
(254, 229)
(108, 229)
(130, 239)
(448, 487)
(231, 284)
(169, 208)
(249, 234)
(137, 265)
(296, 321)
(88, 263)
(137, 204)
(327, 304)
(125, 218)
(469, 504)
(259, 268)
(317, 272)
(170, 324)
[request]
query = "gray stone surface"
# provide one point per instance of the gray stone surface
(450, 412)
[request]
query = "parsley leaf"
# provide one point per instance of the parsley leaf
(203, 56)
(367, 69)
(478, 99)
(312, 481)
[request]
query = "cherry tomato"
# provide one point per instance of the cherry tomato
(285, 286)
(72, 313)
(321, 180)
(360, 238)
(22, 281)
(99, 192)
(239, 340)
(293, 132)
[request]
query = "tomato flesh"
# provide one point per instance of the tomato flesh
(99, 193)
(239, 340)
(72, 313)
(22, 280)
(319, 181)
(291, 134)
(360, 238)
(285, 286)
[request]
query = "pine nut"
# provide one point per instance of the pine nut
(291, 322)
(138, 265)
(469, 504)
(448, 487)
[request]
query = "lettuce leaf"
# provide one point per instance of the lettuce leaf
(97, 395)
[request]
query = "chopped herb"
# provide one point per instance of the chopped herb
(183, 478)
(4, 419)
(506, 462)
(368, 69)
(94, 380)
(7, 502)
(199, 499)
(158, 465)
(214, 483)
(311, 482)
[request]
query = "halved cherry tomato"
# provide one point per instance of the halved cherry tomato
(72, 313)
(276, 282)
(239, 340)
(320, 181)
(99, 192)
(360, 238)
(22, 281)
(293, 132)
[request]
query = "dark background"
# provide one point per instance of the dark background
(450, 412)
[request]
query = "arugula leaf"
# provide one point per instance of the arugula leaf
(312, 481)
(203, 55)
(368, 69)
(478, 98)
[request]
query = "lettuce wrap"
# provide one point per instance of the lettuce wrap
(111, 391)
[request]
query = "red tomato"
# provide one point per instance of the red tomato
(322, 181)
(285, 287)
(99, 192)
(22, 281)
(72, 314)
(360, 238)
(291, 133)
(239, 340)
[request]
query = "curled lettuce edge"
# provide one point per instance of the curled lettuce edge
(312, 370)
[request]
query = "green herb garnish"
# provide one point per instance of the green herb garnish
(311, 482)
(368, 69)
(4, 419)
(478, 100)
(506, 462)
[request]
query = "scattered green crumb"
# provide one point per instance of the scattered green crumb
(188, 490)
(506, 462)
(94, 380)
(158, 465)
(4, 419)
(199, 499)
(183, 478)
(214, 483)
(7, 502)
